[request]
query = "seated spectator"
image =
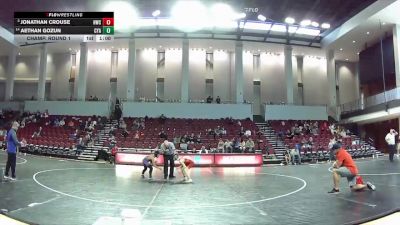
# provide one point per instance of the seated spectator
(198, 138)
(218, 100)
(236, 145)
(137, 135)
(289, 134)
(209, 99)
(192, 139)
(249, 146)
(125, 133)
(177, 139)
(242, 146)
(310, 141)
(37, 133)
(220, 146)
(241, 132)
(315, 131)
(62, 122)
(223, 131)
(228, 146)
(184, 139)
(162, 134)
(203, 150)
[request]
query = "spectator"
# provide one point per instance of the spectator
(287, 156)
(220, 146)
(223, 131)
(125, 133)
(228, 146)
(209, 99)
(218, 100)
(289, 134)
(203, 150)
(236, 145)
(184, 139)
(162, 134)
(192, 139)
(249, 146)
(137, 135)
(37, 133)
(295, 153)
(163, 118)
(198, 138)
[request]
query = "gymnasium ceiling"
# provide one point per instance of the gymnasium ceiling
(334, 12)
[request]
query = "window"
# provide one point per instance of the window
(160, 62)
(209, 62)
(256, 62)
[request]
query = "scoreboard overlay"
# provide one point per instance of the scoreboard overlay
(30, 27)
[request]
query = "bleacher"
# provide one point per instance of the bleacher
(149, 138)
(356, 147)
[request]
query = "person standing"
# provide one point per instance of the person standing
(390, 140)
(12, 144)
(168, 150)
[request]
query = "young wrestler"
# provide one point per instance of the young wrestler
(150, 161)
(186, 164)
(345, 167)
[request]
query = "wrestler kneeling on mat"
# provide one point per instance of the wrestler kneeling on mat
(150, 161)
(185, 164)
(344, 166)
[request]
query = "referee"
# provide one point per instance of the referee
(12, 143)
(168, 149)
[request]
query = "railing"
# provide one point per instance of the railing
(377, 99)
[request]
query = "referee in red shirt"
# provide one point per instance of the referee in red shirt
(344, 166)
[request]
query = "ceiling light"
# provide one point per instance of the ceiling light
(315, 24)
(124, 13)
(19, 53)
(341, 49)
(189, 16)
(241, 16)
(156, 13)
(305, 23)
(257, 26)
(358, 53)
(278, 28)
(367, 32)
(70, 49)
(308, 31)
(289, 20)
(210, 47)
(383, 23)
(261, 17)
(325, 26)
(258, 50)
(354, 41)
(347, 59)
(222, 15)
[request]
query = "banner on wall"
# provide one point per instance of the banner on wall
(198, 159)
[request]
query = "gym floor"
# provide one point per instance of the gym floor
(56, 191)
